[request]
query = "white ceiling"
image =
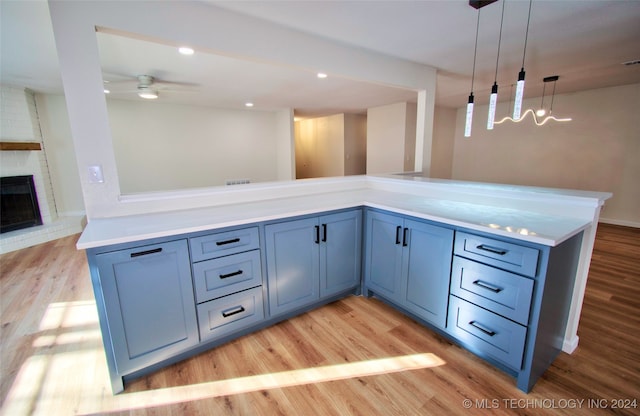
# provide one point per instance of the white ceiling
(215, 80)
(584, 42)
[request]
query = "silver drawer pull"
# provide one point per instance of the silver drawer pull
(234, 311)
(224, 276)
(482, 328)
(488, 286)
(494, 250)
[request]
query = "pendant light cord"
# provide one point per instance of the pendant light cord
(475, 50)
(526, 34)
(553, 94)
(495, 80)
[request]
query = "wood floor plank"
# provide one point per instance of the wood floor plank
(52, 361)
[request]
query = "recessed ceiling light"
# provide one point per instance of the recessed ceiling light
(248, 104)
(185, 50)
(106, 91)
(322, 75)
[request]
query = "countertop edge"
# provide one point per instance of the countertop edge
(459, 205)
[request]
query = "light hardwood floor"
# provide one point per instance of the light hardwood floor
(353, 357)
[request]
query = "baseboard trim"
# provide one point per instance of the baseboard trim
(570, 345)
(620, 222)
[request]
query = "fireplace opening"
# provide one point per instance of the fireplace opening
(18, 203)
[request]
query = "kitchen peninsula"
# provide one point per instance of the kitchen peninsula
(485, 265)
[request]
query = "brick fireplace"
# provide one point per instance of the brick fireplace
(19, 123)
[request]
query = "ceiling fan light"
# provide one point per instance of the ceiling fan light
(148, 94)
(185, 50)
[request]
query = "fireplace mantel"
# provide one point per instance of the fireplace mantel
(20, 146)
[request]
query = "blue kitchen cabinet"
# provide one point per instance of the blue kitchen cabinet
(227, 278)
(147, 298)
(383, 258)
(408, 262)
(312, 258)
(293, 264)
(340, 252)
(510, 300)
(427, 267)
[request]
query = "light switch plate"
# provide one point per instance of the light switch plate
(95, 174)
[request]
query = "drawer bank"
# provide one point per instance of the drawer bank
(163, 299)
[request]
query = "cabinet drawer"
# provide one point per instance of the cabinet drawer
(231, 313)
(486, 332)
(223, 244)
(225, 275)
(507, 256)
(502, 292)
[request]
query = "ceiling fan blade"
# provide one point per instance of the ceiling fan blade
(161, 82)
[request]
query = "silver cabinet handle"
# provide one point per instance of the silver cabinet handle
(482, 328)
(234, 311)
(494, 250)
(488, 286)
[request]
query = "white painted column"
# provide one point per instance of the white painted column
(586, 250)
(424, 129)
(286, 146)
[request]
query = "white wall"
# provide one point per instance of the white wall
(161, 146)
(320, 147)
(390, 147)
(355, 144)
(330, 146)
(208, 28)
(410, 137)
(54, 122)
(599, 150)
(444, 129)
(285, 151)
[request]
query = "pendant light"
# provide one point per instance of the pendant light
(469, 116)
(517, 106)
(541, 111)
(493, 98)
(553, 79)
(537, 115)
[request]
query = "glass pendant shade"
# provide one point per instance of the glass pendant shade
(469, 117)
(517, 105)
(493, 100)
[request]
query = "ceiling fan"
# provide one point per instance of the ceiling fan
(147, 86)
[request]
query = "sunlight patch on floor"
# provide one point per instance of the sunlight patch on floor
(69, 315)
(66, 371)
(248, 384)
(65, 363)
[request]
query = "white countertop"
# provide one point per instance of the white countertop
(520, 220)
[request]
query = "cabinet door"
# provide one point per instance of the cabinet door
(293, 264)
(149, 303)
(383, 259)
(340, 251)
(427, 270)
